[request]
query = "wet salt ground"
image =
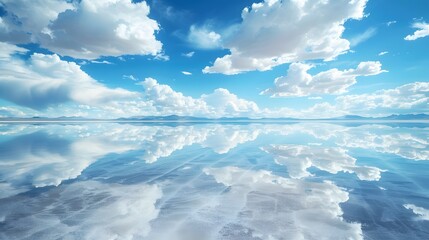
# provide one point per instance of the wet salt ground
(214, 181)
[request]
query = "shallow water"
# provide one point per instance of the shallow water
(214, 181)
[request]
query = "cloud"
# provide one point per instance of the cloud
(43, 80)
(299, 158)
(170, 13)
(220, 103)
(7, 50)
(56, 87)
(299, 83)
(318, 111)
(203, 37)
(186, 73)
(358, 39)
(167, 101)
(423, 31)
(11, 112)
(223, 103)
(390, 23)
(82, 29)
(422, 213)
(383, 53)
(189, 54)
(413, 96)
(409, 98)
(130, 77)
(162, 57)
(307, 30)
(262, 205)
(102, 62)
(59, 88)
(21, 24)
(83, 210)
(406, 99)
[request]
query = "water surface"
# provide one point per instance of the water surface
(214, 181)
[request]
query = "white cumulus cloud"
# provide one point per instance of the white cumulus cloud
(204, 38)
(274, 32)
(55, 87)
(299, 83)
(423, 31)
(409, 96)
(24, 20)
(219, 103)
(85, 29)
(223, 103)
(45, 79)
(168, 101)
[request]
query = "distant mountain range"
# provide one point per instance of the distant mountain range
(190, 119)
(164, 118)
(176, 118)
(346, 117)
(391, 117)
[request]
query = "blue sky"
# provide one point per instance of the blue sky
(291, 58)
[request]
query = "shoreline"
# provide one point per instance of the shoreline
(215, 121)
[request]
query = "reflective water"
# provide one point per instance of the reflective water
(214, 181)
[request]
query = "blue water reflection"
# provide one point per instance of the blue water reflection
(214, 181)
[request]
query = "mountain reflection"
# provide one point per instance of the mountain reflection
(212, 181)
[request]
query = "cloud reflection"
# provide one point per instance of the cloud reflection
(44, 155)
(266, 206)
(298, 158)
(40, 159)
(82, 210)
(422, 213)
(47, 155)
(411, 144)
(222, 202)
(406, 142)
